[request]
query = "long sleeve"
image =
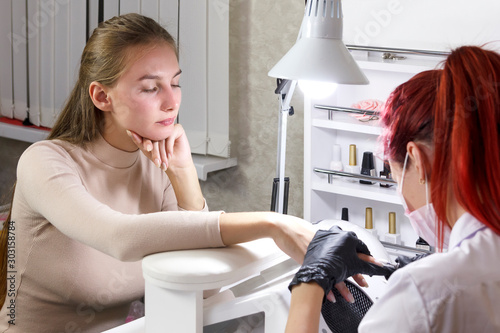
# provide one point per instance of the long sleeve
(82, 219)
(401, 309)
(52, 186)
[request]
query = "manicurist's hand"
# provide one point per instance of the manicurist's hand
(173, 155)
(333, 256)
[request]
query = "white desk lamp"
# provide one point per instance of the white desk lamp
(319, 55)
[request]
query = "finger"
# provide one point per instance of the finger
(155, 154)
(372, 259)
(148, 145)
(169, 145)
(360, 280)
(135, 138)
(369, 258)
(344, 291)
(335, 229)
(374, 269)
(331, 297)
(163, 156)
(361, 247)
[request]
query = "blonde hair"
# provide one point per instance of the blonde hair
(104, 59)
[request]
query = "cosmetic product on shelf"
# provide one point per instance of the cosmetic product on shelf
(369, 222)
(336, 162)
(368, 167)
(386, 173)
(353, 166)
(422, 244)
(345, 214)
(392, 236)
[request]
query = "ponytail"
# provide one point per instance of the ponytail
(466, 136)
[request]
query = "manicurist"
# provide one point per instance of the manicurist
(442, 139)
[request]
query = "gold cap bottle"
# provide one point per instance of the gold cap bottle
(368, 218)
(392, 236)
(352, 167)
(392, 223)
(352, 155)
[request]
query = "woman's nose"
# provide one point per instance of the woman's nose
(169, 99)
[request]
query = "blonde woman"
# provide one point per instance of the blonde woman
(89, 205)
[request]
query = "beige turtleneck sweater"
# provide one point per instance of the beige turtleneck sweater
(83, 219)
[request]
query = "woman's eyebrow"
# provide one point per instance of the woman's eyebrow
(150, 77)
(156, 77)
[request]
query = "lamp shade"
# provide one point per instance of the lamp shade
(319, 54)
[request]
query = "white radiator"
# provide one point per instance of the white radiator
(42, 40)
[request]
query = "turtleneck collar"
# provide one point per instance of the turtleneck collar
(112, 156)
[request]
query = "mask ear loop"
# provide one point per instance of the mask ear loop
(428, 206)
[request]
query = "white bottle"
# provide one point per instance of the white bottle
(353, 167)
(392, 236)
(336, 162)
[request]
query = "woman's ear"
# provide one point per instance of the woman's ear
(99, 95)
(419, 158)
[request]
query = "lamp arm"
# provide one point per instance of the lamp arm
(285, 89)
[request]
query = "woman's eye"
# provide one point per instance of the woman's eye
(150, 90)
(176, 85)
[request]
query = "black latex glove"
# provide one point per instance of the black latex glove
(402, 261)
(332, 257)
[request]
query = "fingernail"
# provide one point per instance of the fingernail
(149, 148)
(331, 298)
(164, 166)
(129, 133)
(157, 162)
(365, 283)
(350, 298)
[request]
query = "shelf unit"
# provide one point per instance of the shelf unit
(325, 195)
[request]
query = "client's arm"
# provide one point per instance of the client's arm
(305, 308)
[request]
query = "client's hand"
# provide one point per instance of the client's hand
(332, 257)
(174, 151)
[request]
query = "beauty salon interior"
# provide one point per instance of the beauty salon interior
(249, 166)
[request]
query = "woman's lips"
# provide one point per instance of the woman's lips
(166, 122)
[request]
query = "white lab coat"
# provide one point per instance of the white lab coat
(457, 291)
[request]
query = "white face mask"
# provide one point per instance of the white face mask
(423, 220)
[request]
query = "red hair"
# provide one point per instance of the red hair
(406, 120)
(457, 110)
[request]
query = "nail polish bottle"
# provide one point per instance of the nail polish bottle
(368, 167)
(369, 222)
(392, 236)
(336, 162)
(353, 166)
(345, 214)
(386, 174)
(422, 244)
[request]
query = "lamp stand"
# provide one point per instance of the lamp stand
(285, 91)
